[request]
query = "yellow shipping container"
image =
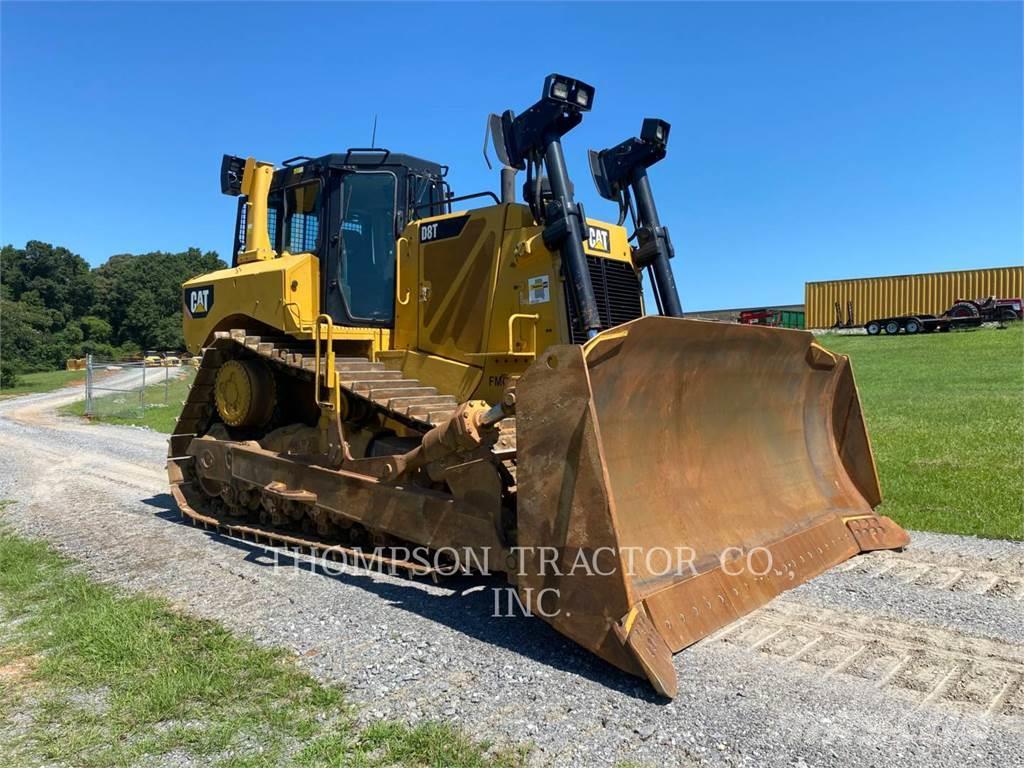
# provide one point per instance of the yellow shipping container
(931, 293)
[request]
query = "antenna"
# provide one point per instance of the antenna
(373, 136)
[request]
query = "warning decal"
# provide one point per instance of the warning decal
(538, 291)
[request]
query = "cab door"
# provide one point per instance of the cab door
(359, 281)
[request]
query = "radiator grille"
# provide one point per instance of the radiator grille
(618, 293)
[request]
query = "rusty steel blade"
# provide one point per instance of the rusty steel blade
(705, 467)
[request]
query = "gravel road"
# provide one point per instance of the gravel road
(890, 659)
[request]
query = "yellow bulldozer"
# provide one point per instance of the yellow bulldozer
(383, 374)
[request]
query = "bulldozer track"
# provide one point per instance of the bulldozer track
(931, 570)
(928, 666)
(362, 380)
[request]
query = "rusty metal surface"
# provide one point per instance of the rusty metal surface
(564, 502)
(708, 444)
(692, 609)
(716, 436)
(418, 515)
(877, 532)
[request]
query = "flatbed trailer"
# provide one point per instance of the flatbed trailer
(912, 324)
(965, 313)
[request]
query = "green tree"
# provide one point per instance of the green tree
(24, 337)
(140, 296)
(96, 329)
(54, 307)
(61, 279)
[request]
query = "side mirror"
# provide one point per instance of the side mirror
(498, 137)
(604, 188)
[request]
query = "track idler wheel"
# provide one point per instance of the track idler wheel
(245, 393)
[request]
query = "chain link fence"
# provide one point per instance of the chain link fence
(127, 388)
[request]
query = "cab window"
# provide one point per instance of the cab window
(273, 212)
(367, 264)
(302, 218)
(424, 197)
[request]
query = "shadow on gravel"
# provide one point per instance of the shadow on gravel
(468, 609)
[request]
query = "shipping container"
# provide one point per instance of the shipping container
(930, 293)
(791, 319)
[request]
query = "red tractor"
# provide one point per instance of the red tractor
(989, 310)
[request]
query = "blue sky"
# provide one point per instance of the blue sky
(810, 141)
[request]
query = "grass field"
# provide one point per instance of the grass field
(158, 415)
(44, 381)
(946, 418)
(90, 677)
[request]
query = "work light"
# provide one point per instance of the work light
(559, 110)
(655, 131)
(565, 90)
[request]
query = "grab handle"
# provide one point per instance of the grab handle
(327, 369)
(511, 323)
(403, 246)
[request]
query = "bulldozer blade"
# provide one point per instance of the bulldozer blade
(674, 475)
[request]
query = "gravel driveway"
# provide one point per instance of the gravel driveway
(890, 659)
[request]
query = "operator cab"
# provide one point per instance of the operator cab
(349, 209)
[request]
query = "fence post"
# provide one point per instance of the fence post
(142, 389)
(88, 384)
(167, 376)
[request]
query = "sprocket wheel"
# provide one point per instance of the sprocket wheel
(245, 393)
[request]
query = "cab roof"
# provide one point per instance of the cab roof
(356, 159)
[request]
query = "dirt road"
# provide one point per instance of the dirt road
(891, 659)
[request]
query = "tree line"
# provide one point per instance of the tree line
(54, 306)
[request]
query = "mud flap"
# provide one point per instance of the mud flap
(675, 475)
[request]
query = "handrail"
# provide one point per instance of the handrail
(384, 153)
(511, 322)
(459, 199)
(328, 359)
(398, 272)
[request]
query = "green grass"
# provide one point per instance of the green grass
(91, 677)
(157, 415)
(946, 417)
(43, 381)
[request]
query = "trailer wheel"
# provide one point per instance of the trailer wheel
(1008, 315)
(892, 327)
(913, 325)
(873, 328)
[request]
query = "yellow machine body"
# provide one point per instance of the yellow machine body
(471, 312)
(482, 416)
